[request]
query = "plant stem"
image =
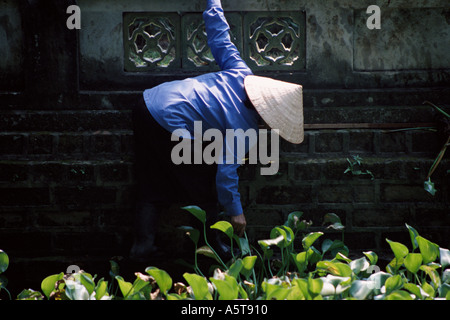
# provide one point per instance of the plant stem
(212, 249)
(438, 158)
(437, 108)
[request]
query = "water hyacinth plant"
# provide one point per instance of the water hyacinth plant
(292, 264)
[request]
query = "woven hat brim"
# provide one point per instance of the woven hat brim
(280, 105)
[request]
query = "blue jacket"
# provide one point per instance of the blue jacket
(216, 99)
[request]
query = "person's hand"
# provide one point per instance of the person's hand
(239, 223)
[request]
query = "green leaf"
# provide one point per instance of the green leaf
(360, 289)
(335, 268)
(206, 251)
(415, 290)
(243, 245)
(248, 264)
(4, 261)
(379, 279)
(309, 239)
(445, 257)
(162, 278)
(428, 289)
(338, 247)
(393, 283)
(331, 218)
(413, 234)
(428, 249)
(315, 286)
(125, 287)
(101, 289)
(429, 187)
(48, 284)
(444, 290)
(199, 286)
(446, 276)
(326, 245)
(3, 282)
(235, 268)
(372, 256)
(141, 283)
(359, 265)
(413, 261)
(114, 268)
(399, 295)
(196, 212)
(266, 244)
(193, 234)
(275, 291)
(433, 274)
(285, 232)
(300, 261)
(227, 288)
(76, 291)
(225, 227)
(30, 294)
(400, 250)
(293, 220)
(87, 281)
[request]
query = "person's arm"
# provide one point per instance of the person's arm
(224, 51)
(227, 181)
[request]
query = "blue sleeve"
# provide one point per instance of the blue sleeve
(227, 182)
(224, 51)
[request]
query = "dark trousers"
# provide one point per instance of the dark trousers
(159, 181)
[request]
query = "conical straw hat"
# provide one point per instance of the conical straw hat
(280, 105)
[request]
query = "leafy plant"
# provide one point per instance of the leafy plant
(355, 167)
(4, 264)
(444, 130)
(281, 268)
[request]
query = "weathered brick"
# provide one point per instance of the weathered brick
(393, 142)
(40, 143)
(335, 193)
(81, 242)
(334, 169)
(105, 142)
(364, 193)
(264, 217)
(12, 143)
(11, 171)
(82, 172)
(114, 172)
(47, 172)
(66, 121)
(327, 142)
(310, 169)
(24, 196)
(70, 144)
(84, 197)
(426, 142)
(29, 243)
(404, 193)
(361, 141)
(63, 218)
(302, 148)
(383, 217)
(283, 194)
(14, 219)
(433, 216)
